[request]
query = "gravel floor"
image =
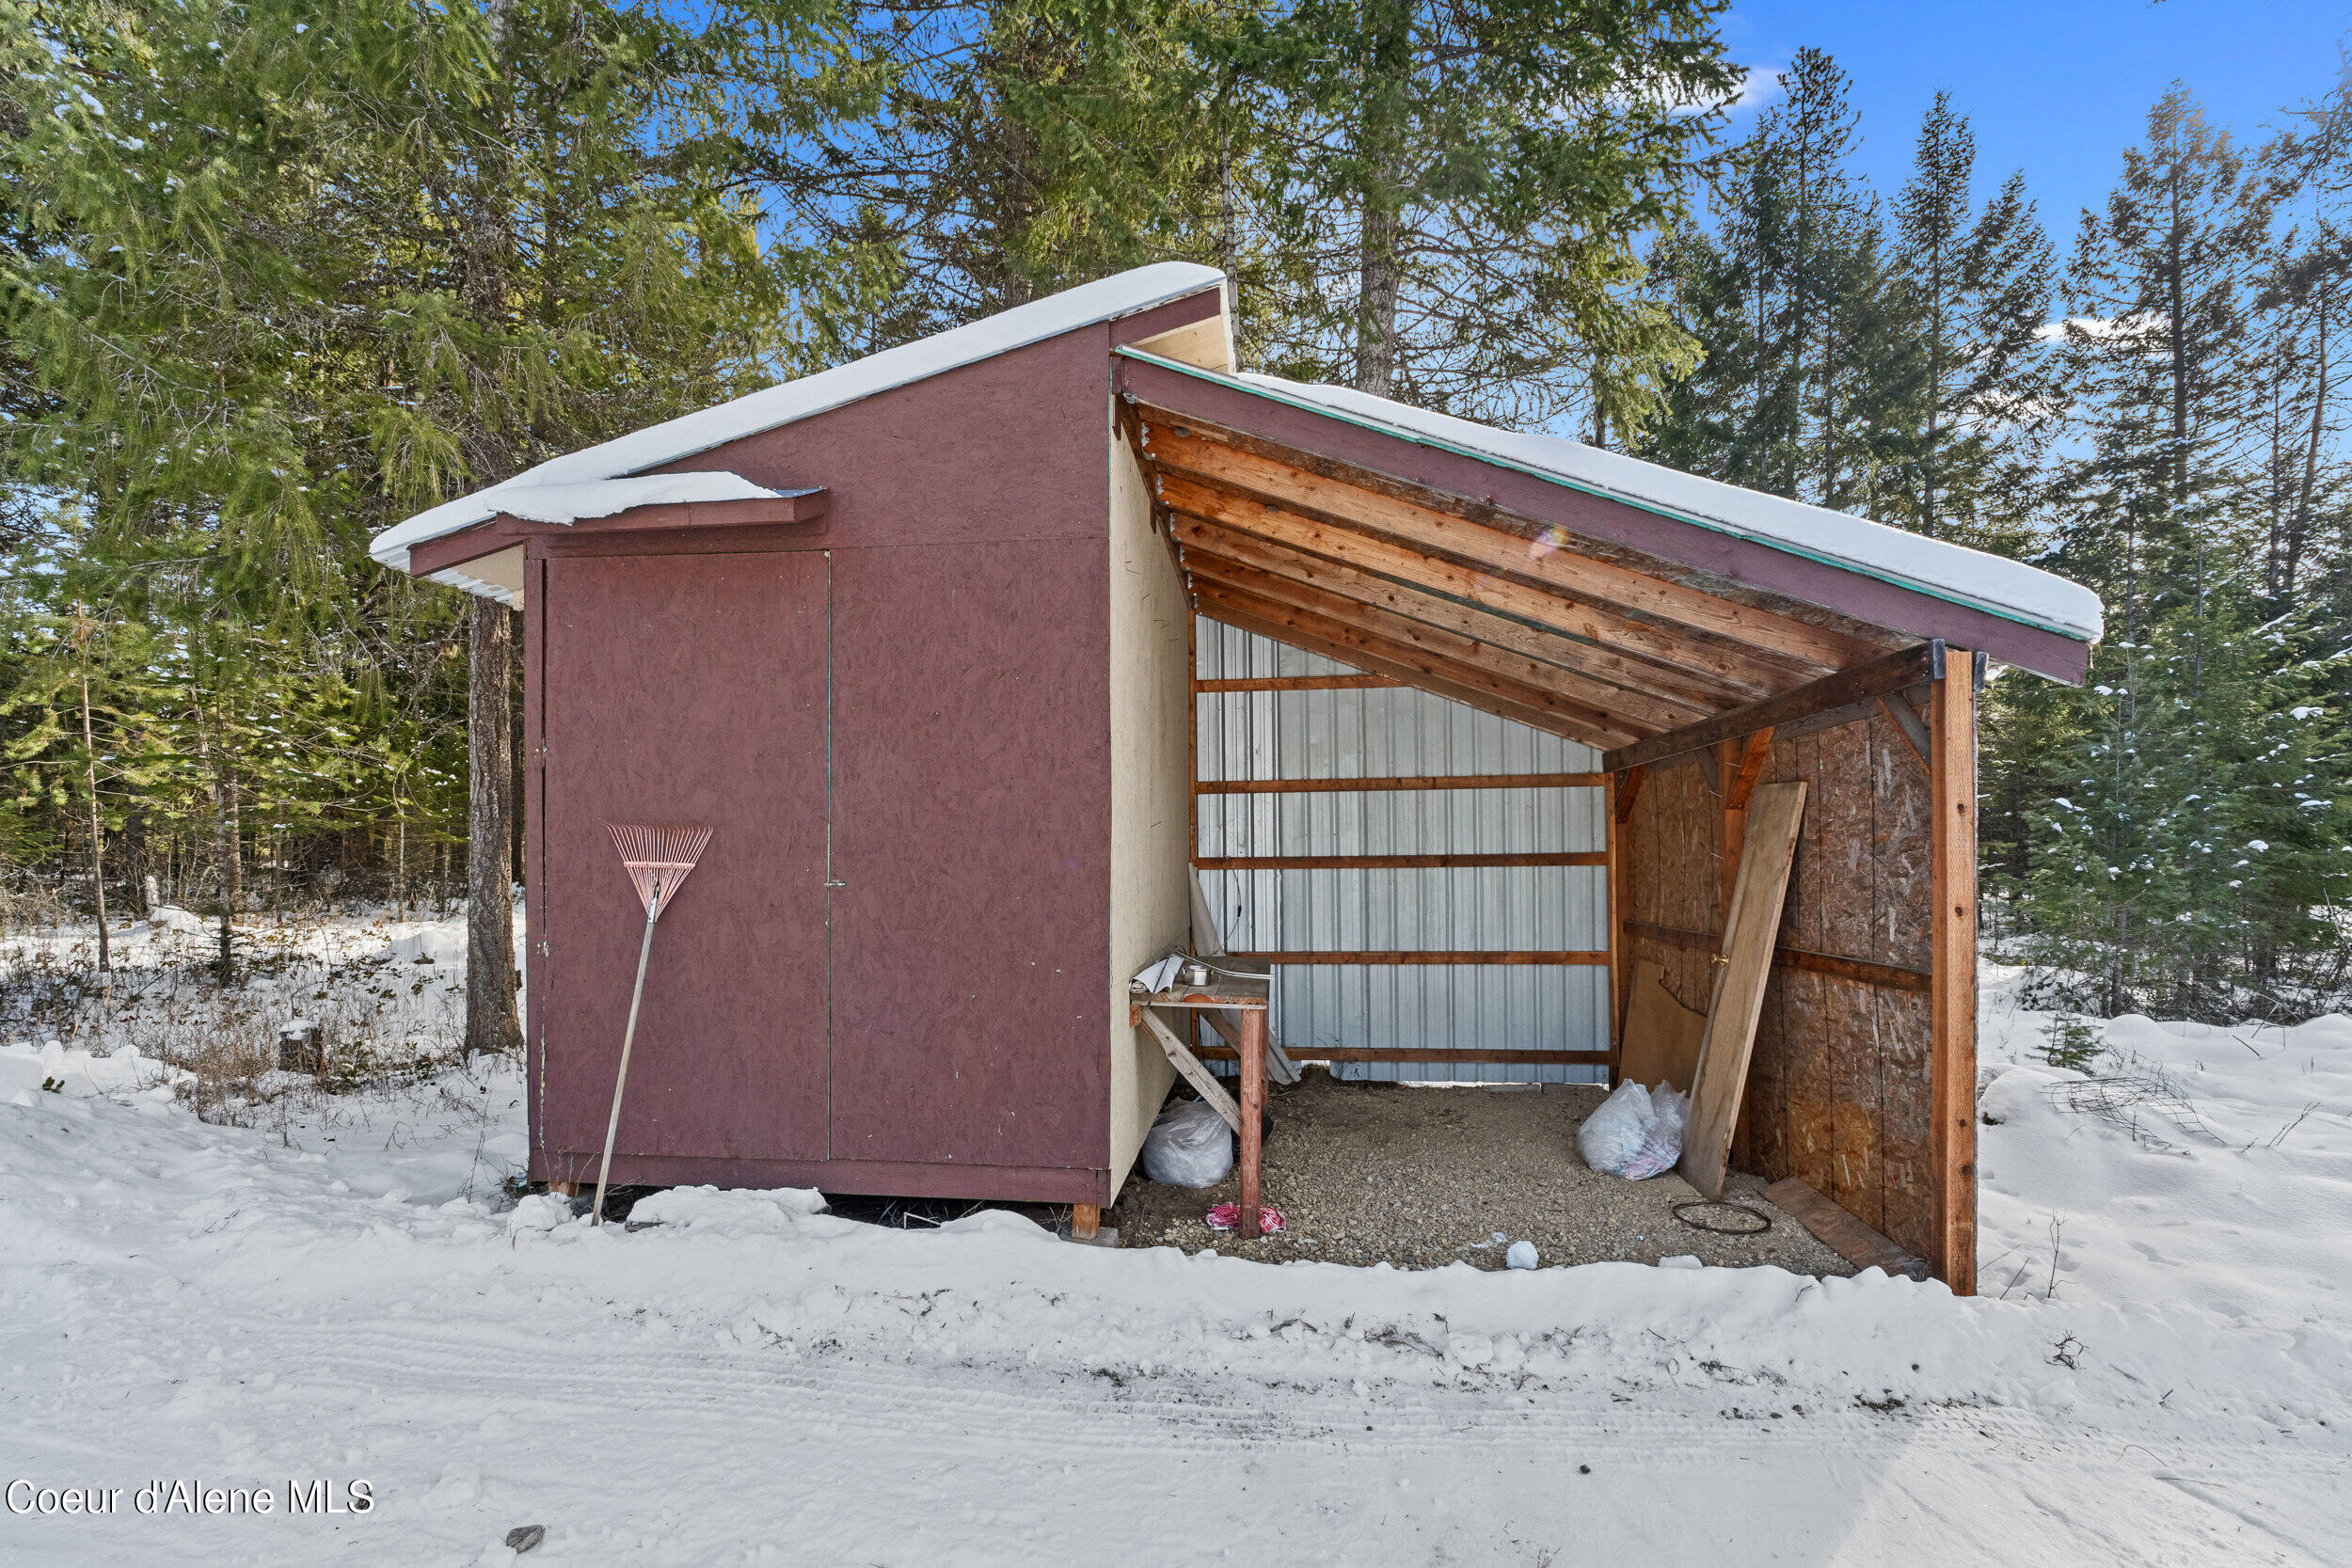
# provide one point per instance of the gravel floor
(1420, 1176)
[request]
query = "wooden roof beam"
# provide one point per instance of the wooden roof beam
(1602, 703)
(1320, 634)
(1698, 693)
(1180, 450)
(1744, 673)
(1891, 673)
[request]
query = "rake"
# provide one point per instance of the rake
(658, 860)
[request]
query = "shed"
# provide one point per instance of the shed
(916, 638)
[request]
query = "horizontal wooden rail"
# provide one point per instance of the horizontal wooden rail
(1458, 781)
(1861, 970)
(1413, 1055)
(1291, 958)
(1298, 683)
(1858, 684)
(1389, 863)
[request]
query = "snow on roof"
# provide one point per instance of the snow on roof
(602, 497)
(2006, 588)
(1105, 299)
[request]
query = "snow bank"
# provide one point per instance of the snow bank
(343, 1295)
(76, 1073)
(722, 1212)
(2202, 1165)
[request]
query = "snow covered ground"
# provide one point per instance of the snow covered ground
(337, 1291)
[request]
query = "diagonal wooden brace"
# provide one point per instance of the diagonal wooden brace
(1198, 1075)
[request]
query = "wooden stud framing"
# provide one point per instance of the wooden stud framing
(1384, 785)
(1613, 821)
(1743, 672)
(1254, 1037)
(1752, 760)
(1627, 790)
(1192, 746)
(1952, 860)
(1908, 723)
(1695, 691)
(1864, 681)
(1861, 970)
(1580, 575)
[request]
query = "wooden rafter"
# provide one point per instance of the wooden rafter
(1178, 449)
(1607, 705)
(1698, 693)
(1317, 634)
(1743, 672)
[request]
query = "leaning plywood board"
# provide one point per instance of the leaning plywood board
(1662, 1036)
(1774, 813)
(1841, 1232)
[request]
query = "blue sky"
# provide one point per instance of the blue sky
(2057, 88)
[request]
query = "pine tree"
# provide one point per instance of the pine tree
(1812, 361)
(1982, 288)
(305, 267)
(1462, 194)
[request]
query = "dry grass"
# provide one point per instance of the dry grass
(383, 1024)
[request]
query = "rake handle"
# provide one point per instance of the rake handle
(620, 1082)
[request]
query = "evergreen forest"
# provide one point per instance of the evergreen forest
(278, 273)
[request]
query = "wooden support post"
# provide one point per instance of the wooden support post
(1192, 740)
(1085, 1221)
(1952, 948)
(1253, 1030)
(1612, 822)
(1627, 790)
(564, 1189)
(1731, 825)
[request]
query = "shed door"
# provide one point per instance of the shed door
(691, 690)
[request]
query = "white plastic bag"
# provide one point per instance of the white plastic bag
(1634, 1133)
(1662, 1145)
(1189, 1145)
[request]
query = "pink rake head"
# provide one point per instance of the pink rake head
(657, 860)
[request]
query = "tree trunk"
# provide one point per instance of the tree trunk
(226, 842)
(492, 1023)
(1381, 227)
(97, 835)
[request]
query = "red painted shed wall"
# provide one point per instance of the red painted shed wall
(960, 1007)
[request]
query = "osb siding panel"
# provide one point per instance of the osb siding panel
(1901, 809)
(1672, 842)
(1839, 1087)
(1906, 1032)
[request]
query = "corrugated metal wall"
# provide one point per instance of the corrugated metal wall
(1399, 732)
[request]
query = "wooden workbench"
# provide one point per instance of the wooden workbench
(1250, 998)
